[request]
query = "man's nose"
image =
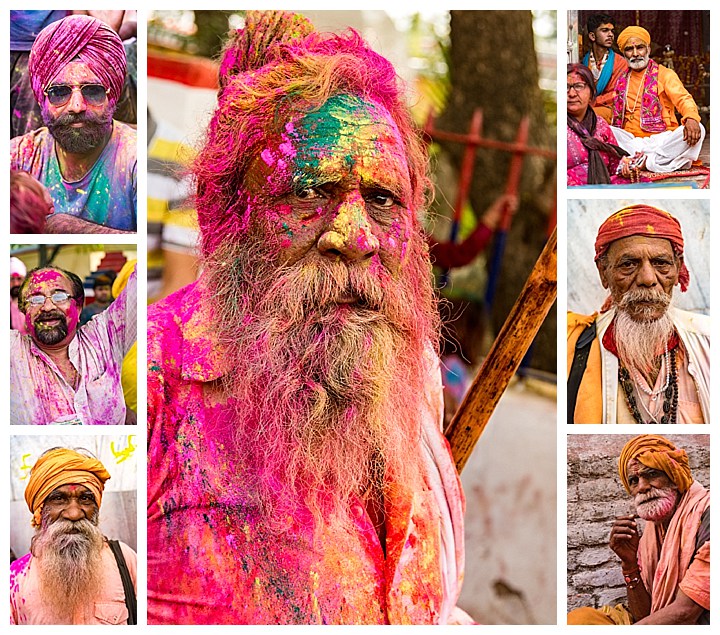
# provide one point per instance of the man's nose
(73, 511)
(646, 275)
(643, 485)
(350, 234)
(77, 101)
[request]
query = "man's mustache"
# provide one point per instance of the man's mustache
(49, 316)
(69, 118)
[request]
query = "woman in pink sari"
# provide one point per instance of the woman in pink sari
(593, 156)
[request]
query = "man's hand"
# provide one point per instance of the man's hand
(493, 215)
(624, 540)
(59, 223)
(691, 133)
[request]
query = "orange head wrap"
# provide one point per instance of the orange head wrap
(658, 453)
(632, 31)
(59, 467)
(643, 220)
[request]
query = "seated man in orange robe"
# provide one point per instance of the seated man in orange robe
(646, 98)
(667, 569)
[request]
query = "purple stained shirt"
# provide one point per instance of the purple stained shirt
(40, 395)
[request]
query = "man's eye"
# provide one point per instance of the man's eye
(632, 480)
(308, 193)
(383, 200)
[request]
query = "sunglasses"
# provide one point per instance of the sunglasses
(93, 94)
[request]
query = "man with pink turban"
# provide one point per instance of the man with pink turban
(667, 568)
(86, 160)
(297, 472)
(643, 112)
(639, 360)
(73, 574)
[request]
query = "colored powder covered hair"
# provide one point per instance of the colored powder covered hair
(660, 454)
(58, 467)
(273, 72)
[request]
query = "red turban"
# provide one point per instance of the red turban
(77, 36)
(658, 453)
(643, 220)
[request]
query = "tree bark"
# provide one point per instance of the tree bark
(493, 66)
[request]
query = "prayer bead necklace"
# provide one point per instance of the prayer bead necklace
(670, 391)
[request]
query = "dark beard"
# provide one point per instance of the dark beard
(327, 395)
(14, 292)
(53, 335)
(91, 136)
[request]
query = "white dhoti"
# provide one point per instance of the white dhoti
(665, 151)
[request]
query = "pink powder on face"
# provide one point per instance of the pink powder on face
(73, 317)
(268, 156)
(48, 275)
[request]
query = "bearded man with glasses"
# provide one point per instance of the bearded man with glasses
(62, 373)
(86, 160)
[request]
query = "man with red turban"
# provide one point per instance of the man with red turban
(86, 160)
(73, 574)
(667, 568)
(640, 360)
(643, 112)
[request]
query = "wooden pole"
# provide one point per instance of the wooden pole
(506, 353)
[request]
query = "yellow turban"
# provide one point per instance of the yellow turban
(60, 467)
(632, 31)
(658, 453)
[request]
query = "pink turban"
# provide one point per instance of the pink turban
(643, 220)
(77, 36)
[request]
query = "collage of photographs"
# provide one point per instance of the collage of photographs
(332, 249)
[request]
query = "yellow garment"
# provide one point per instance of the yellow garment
(604, 616)
(588, 406)
(658, 453)
(632, 31)
(128, 373)
(59, 467)
(672, 94)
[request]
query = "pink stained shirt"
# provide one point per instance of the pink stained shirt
(40, 395)
(108, 606)
(210, 561)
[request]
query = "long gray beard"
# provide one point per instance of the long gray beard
(69, 566)
(326, 399)
(640, 342)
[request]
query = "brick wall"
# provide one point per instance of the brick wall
(594, 497)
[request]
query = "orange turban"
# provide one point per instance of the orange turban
(632, 31)
(643, 220)
(658, 453)
(60, 467)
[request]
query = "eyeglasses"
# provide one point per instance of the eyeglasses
(577, 87)
(57, 298)
(93, 94)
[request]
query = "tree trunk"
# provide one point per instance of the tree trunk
(493, 66)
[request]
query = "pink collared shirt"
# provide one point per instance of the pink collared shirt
(210, 561)
(40, 395)
(107, 607)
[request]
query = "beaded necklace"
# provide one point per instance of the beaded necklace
(669, 390)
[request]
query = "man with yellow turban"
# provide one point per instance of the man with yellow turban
(73, 574)
(640, 360)
(86, 160)
(643, 113)
(667, 568)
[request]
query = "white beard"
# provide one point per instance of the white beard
(69, 565)
(658, 504)
(639, 342)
